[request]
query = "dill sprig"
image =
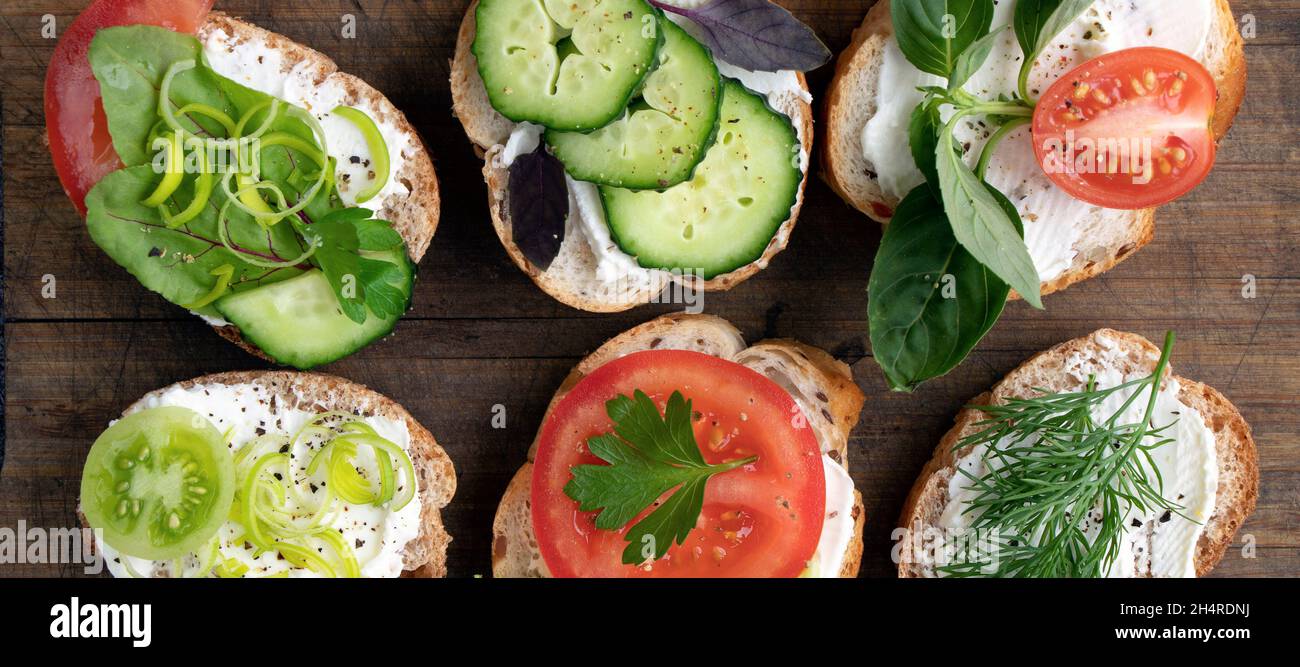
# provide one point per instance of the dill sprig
(1053, 472)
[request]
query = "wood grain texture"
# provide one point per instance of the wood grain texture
(481, 334)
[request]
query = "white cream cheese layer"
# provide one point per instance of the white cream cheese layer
(1157, 543)
(253, 63)
(377, 534)
(1054, 222)
(837, 529)
(613, 266)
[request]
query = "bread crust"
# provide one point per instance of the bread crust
(514, 544)
(415, 217)
(1235, 451)
(844, 168)
(489, 130)
(426, 555)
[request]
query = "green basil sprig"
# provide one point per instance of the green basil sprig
(933, 33)
(930, 300)
(981, 224)
(1037, 22)
(955, 227)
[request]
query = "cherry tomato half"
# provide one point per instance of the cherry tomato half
(1128, 130)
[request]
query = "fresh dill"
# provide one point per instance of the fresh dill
(1059, 485)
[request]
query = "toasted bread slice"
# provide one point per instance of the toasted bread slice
(1238, 480)
(426, 555)
(572, 278)
(1107, 240)
(822, 386)
(415, 214)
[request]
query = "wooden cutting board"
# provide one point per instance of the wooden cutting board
(481, 335)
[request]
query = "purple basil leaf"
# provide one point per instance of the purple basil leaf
(539, 205)
(754, 34)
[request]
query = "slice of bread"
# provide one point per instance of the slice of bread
(1106, 241)
(572, 278)
(822, 386)
(426, 555)
(415, 215)
(1238, 481)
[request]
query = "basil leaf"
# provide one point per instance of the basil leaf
(982, 225)
(933, 33)
(177, 263)
(539, 205)
(972, 59)
(1037, 23)
(923, 138)
(930, 301)
(754, 34)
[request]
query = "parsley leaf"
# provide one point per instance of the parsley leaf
(336, 243)
(358, 281)
(648, 456)
(379, 279)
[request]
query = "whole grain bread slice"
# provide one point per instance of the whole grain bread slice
(1238, 479)
(415, 215)
(572, 278)
(426, 555)
(851, 102)
(822, 386)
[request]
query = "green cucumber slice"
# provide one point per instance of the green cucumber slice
(297, 322)
(609, 48)
(664, 135)
(724, 217)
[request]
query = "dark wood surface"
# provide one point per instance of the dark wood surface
(481, 334)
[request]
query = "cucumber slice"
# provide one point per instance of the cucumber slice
(297, 322)
(724, 217)
(664, 135)
(609, 48)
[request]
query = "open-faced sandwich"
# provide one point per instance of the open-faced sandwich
(268, 474)
(1092, 459)
(676, 451)
(1018, 147)
(241, 176)
(630, 146)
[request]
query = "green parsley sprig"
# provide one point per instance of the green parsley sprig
(648, 455)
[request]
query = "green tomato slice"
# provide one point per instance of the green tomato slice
(158, 483)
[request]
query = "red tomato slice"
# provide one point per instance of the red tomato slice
(1129, 130)
(760, 520)
(74, 113)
